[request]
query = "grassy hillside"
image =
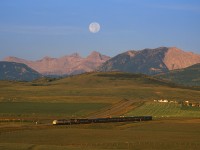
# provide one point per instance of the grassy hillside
(94, 87)
(189, 76)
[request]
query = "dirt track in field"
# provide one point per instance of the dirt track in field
(117, 109)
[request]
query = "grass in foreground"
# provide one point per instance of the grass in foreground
(160, 134)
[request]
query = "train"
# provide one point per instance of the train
(101, 120)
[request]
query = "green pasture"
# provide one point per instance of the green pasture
(31, 109)
(157, 109)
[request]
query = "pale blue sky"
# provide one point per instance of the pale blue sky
(32, 29)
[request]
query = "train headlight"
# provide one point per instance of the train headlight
(55, 122)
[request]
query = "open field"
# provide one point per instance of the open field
(156, 109)
(22, 104)
(158, 134)
(115, 110)
(48, 110)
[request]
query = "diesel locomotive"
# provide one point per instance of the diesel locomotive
(101, 120)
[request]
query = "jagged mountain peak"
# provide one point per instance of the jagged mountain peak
(94, 54)
(47, 58)
(75, 55)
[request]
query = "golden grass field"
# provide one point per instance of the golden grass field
(157, 134)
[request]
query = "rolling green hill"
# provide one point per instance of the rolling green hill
(94, 87)
(189, 76)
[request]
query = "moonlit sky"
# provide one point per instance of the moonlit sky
(32, 29)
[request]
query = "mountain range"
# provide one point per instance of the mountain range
(66, 65)
(163, 60)
(146, 61)
(151, 61)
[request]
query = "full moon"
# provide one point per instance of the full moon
(94, 27)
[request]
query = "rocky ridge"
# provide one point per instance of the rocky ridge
(66, 65)
(151, 61)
